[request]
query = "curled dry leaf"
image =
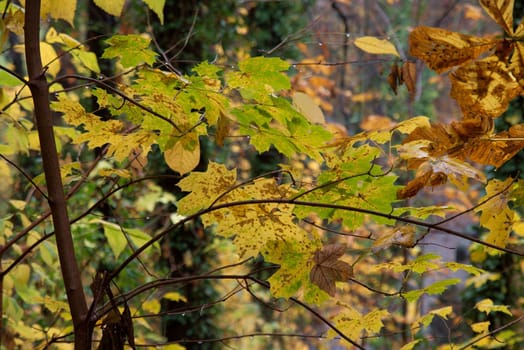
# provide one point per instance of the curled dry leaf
(328, 268)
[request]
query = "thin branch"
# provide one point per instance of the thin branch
(14, 74)
(26, 175)
(124, 96)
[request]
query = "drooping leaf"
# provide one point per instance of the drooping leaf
(442, 49)
(501, 11)
(496, 215)
(443, 312)
(157, 6)
(58, 9)
(114, 8)
(305, 105)
(328, 268)
(374, 45)
(184, 156)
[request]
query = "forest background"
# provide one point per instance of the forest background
(261, 174)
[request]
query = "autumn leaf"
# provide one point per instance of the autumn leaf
(329, 268)
(484, 87)
(59, 9)
(305, 105)
(374, 45)
(403, 235)
(205, 187)
(496, 215)
(113, 7)
(442, 49)
(487, 306)
(184, 155)
(501, 11)
(353, 323)
(295, 263)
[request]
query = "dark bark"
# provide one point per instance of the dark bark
(57, 200)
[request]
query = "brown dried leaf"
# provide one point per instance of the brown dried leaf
(394, 77)
(403, 235)
(484, 87)
(442, 49)
(414, 186)
(496, 151)
(473, 126)
(501, 11)
(409, 77)
(223, 129)
(328, 268)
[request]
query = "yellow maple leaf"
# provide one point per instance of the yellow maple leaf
(205, 187)
(496, 215)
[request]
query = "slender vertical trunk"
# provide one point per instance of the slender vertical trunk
(57, 200)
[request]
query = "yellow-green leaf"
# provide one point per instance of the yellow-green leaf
(487, 306)
(151, 306)
(374, 45)
(115, 238)
(59, 9)
(480, 327)
(132, 49)
(157, 6)
(174, 296)
(113, 7)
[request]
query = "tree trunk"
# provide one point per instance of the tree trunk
(56, 196)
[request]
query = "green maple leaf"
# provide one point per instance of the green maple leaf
(132, 49)
(259, 77)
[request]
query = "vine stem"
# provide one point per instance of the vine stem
(56, 197)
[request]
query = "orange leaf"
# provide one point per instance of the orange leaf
(328, 268)
(442, 49)
(493, 152)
